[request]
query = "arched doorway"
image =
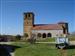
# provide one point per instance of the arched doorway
(49, 35)
(44, 35)
(39, 35)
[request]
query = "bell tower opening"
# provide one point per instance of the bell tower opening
(29, 18)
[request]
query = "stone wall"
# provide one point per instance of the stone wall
(54, 33)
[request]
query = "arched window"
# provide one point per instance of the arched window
(39, 35)
(44, 35)
(26, 15)
(49, 35)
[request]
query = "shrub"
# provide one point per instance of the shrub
(26, 35)
(18, 37)
(32, 40)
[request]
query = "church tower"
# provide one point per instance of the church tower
(64, 26)
(28, 24)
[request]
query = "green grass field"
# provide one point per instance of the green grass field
(72, 39)
(28, 49)
(53, 39)
(46, 40)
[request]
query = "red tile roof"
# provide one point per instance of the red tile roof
(47, 27)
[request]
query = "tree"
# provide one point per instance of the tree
(32, 40)
(18, 37)
(26, 35)
(0, 35)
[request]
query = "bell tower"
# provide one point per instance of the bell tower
(28, 24)
(64, 26)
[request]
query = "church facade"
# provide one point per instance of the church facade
(43, 30)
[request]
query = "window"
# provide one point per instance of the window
(28, 15)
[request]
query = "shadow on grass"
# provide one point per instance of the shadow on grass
(70, 47)
(5, 50)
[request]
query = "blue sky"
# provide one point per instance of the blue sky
(46, 12)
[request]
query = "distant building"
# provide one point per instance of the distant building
(43, 30)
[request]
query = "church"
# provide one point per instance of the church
(43, 30)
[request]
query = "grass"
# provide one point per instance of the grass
(46, 40)
(36, 50)
(71, 38)
(52, 39)
(28, 49)
(71, 52)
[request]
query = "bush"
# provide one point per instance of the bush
(18, 37)
(26, 35)
(32, 40)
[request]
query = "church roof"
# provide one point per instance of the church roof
(47, 27)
